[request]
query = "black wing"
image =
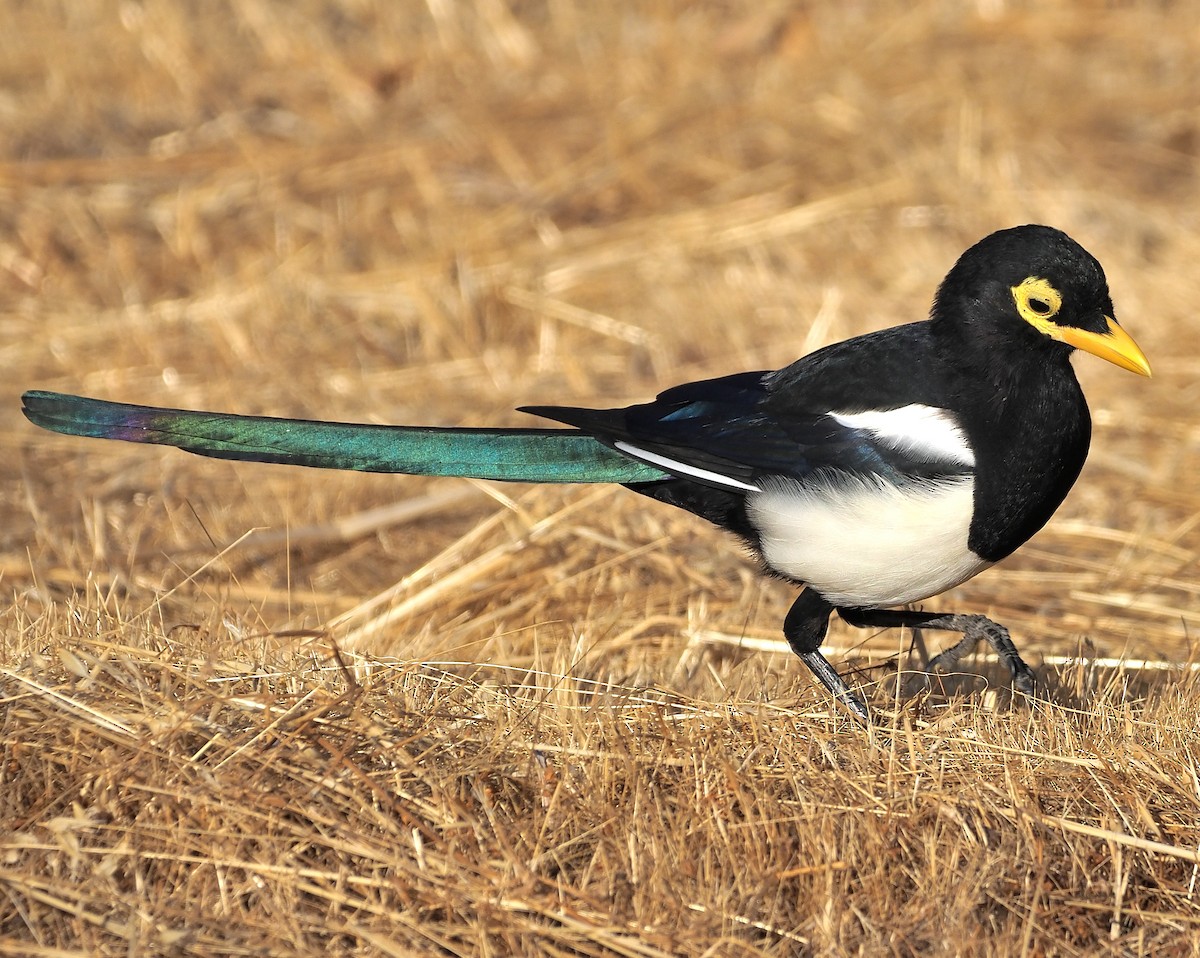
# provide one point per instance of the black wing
(731, 432)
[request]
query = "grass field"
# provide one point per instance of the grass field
(254, 710)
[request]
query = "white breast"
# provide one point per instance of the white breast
(865, 542)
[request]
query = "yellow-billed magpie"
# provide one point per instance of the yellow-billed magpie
(874, 473)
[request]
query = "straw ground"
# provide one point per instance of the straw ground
(253, 710)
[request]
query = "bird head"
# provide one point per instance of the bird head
(1032, 290)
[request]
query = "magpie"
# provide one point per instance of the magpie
(873, 473)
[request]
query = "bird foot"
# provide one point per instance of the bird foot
(974, 629)
(828, 676)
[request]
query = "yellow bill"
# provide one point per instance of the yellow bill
(1117, 346)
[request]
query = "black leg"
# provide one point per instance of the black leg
(972, 627)
(805, 627)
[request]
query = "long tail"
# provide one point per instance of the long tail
(517, 455)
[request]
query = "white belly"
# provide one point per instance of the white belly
(872, 544)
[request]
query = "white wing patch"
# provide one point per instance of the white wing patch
(865, 542)
(683, 468)
(924, 430)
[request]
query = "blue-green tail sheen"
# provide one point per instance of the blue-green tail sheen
(515, 455)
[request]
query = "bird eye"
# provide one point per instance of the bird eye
(1037, 302)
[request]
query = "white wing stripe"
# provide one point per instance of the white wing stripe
(920, 429)
(682, 468)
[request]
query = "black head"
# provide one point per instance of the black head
(1032, 291)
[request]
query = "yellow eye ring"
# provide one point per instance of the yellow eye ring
(1038, 302)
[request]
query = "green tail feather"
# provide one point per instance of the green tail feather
(516, 455)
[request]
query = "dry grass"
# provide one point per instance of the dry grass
(449, 718)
